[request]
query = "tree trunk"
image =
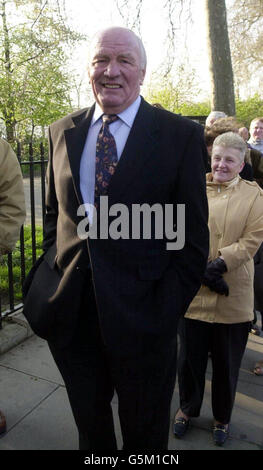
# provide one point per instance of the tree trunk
(221, 72)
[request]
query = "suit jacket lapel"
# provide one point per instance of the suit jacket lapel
(138, 149)
(75, 140)
(136, 153)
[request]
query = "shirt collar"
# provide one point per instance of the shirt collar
(127, 116)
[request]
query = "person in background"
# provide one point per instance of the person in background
(213, 116)
(219, 318)
(256, 134)
(221, 126)
(256, 157)
(258, 291)
(253, 168)
(244, 133)
(12, 210)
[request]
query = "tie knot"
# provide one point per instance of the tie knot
(109, 118)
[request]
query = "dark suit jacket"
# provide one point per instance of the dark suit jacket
(141, 288)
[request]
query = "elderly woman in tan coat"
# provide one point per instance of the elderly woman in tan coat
(218, 319)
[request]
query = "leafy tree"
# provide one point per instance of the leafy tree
(195, 109)
(34, 48)
(248, 109)
(176, 90)
(246, 35)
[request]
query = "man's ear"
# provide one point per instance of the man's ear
(242, 166)
(143, 72)
(88, 74)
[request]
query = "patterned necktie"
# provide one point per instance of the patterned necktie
(106, 157)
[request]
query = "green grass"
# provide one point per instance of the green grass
(16, 257)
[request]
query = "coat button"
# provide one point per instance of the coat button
(219, 235)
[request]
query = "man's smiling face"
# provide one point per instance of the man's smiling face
(116, 70)
(256, 130)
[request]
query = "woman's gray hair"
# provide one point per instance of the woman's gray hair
(232, 140)
(214, 115)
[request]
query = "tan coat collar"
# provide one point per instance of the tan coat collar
(228, 184)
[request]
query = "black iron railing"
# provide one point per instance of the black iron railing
(33, 169)
(200, 119)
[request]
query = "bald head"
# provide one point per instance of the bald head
(117, 66)
(117, 31)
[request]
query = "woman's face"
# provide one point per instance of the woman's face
(226, 163)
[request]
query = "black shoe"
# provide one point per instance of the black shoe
(220, 434)
(180, 426)
(255, 330)
(2, 423)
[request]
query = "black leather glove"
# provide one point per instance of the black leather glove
(220, 287)
(215, 269)
(213, 277)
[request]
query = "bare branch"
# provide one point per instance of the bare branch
(39, 15)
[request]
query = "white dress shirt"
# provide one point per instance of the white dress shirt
(120, 129)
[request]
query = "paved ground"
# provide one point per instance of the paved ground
(33, 397)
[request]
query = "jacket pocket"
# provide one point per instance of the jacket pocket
(51, 256)
(37, 308)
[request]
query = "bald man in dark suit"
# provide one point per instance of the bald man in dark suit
(113, 301)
